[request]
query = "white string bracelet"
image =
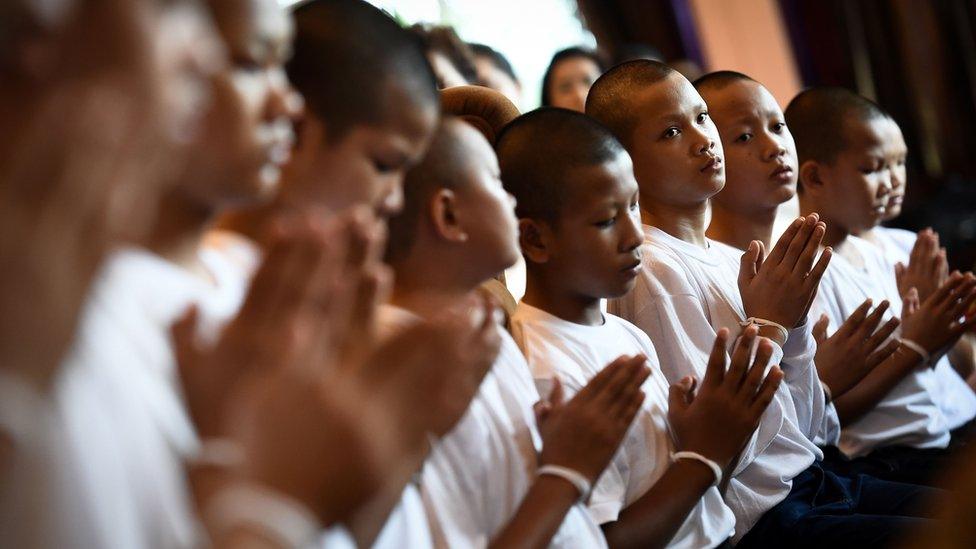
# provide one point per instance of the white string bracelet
(716, 470)
(926, 357)
(762, 323)
(575, 478)
(278, 517)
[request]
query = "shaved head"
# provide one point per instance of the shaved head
(818, 119)
(719, 80)
(539, 152)
(446, 166)
(610, 97)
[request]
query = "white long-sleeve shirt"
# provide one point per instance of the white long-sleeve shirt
(956, 398)
(908, 415)
(682, 297)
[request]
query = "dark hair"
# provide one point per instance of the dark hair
(539, 152)
(345, 78)
(609, 98)
(720, 79)
(559, 57)
(817, 116)
(445, 40)
(495, 57)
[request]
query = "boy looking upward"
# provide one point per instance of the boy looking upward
(761, 161)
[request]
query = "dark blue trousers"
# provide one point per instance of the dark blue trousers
(901, 463)
(828, 510)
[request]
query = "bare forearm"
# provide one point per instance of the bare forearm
(539, 516)
(864, 396)
(653, 520)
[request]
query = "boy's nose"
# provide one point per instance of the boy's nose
(886, 186)
(775, 150)
(391, 201)
(634, 236)
(284, 100)
(707, 145)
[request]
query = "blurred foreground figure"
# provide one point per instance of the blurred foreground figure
(99, 98)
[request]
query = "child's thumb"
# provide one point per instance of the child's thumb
(556, 395)
(910, 302)
(747, 263)
(899, 270)
(820, 329)
(679, 395)
(541, 409)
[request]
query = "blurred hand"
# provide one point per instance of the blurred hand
(927, 267)
(431, 370)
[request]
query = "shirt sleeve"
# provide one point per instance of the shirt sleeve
(669, 311)
(801, 377)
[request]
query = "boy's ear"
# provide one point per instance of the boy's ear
(813, 176)
(443, 210)
(534, 239)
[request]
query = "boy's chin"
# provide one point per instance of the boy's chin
(891, 214)
(619, 289)
(782, 195)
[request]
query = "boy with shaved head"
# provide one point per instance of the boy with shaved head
(894, 414)
(690, 287)
(580, 235)
(919, 262)
(371, 108)
(761, 161)
(498, 477)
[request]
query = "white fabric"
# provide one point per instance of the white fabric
(908, 415)
(40, 505)
(955, 397)
(122, 372)
(127, 427)
(337, 537)
(574, 353)
(408, 525)
(476, 476)
(682, 297)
